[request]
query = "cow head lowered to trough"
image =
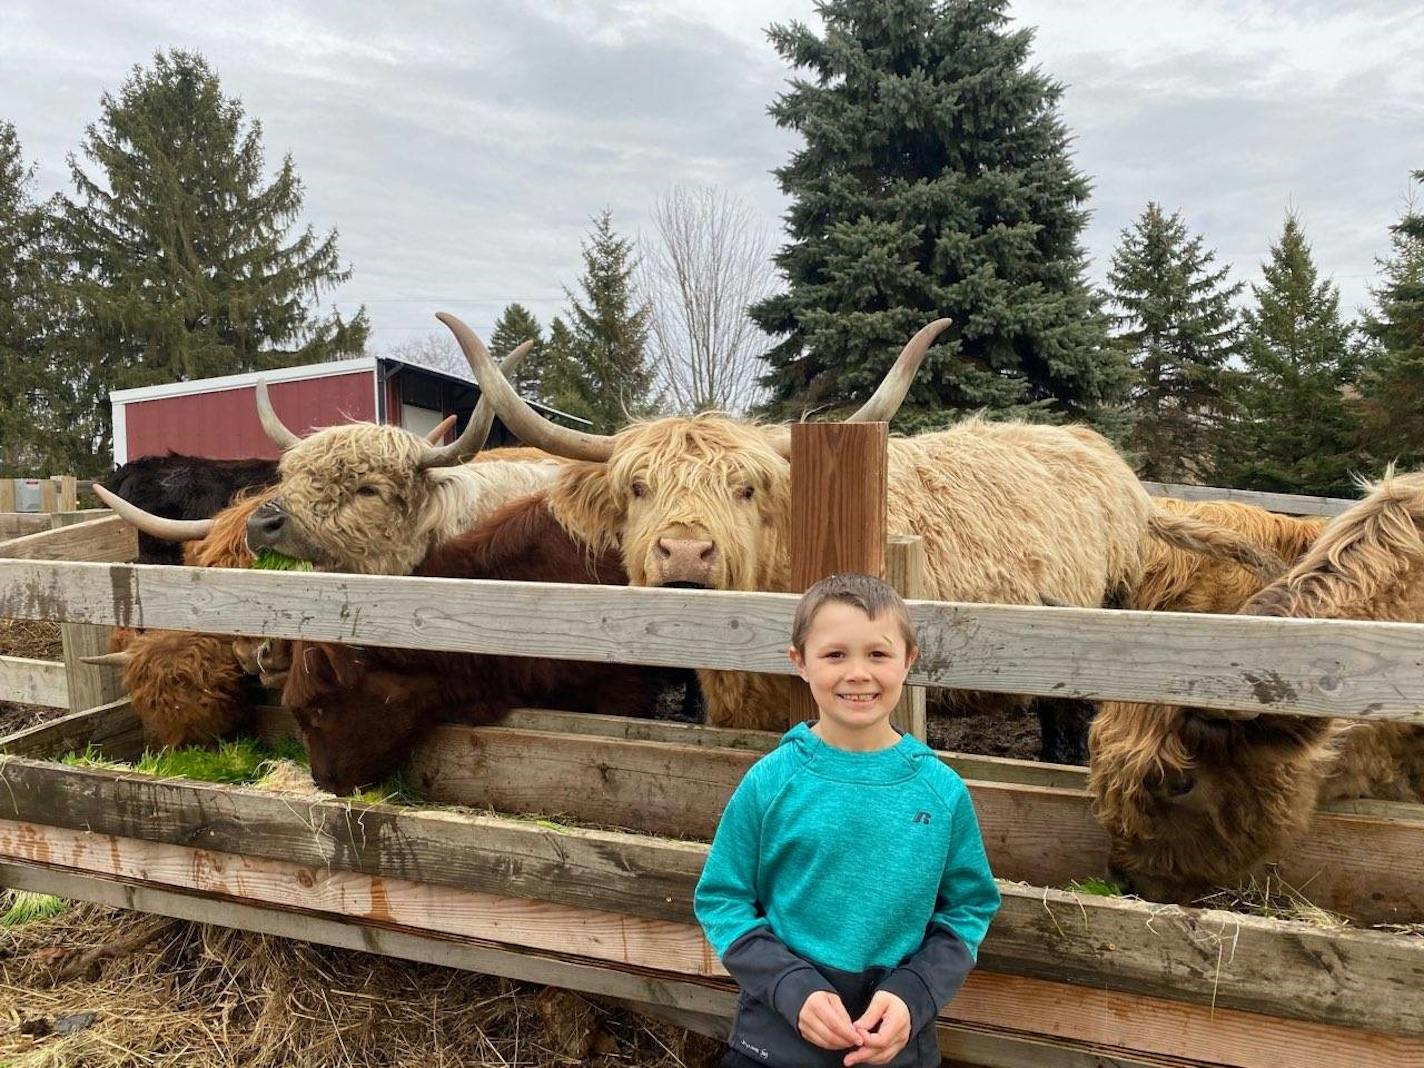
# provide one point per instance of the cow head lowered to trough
(1195, 798)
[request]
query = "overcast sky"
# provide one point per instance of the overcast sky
(462, 148)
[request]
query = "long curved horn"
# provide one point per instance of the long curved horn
(270, 423)
(887, 398)
(477, 430)
(117, 660)
(441, 429)
(155, 525)
(531, 427)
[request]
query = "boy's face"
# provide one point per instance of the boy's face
(855, 665)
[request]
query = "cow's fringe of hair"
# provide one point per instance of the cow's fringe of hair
(1364, 563)
(225, 545)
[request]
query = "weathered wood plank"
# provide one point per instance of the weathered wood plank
(87, 685)
(33, 682)
(905, 569)
(7, 495)
(976, 1044)
(17, 524)
(113, 729)
(489, 854)
(1118, 943)
(1371, 869)
(1107, 1017)
(838, 478)
(105, 540)
(1311, 667)
(1289, 503)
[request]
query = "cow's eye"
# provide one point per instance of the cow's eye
(746, 493)
(1177, 785)
(368, 491)
(640, 489)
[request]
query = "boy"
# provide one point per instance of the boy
(847, 889)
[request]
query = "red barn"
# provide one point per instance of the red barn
(217, 417)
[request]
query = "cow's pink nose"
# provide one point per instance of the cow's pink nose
(686, 560)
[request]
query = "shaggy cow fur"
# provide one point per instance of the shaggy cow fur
(1177, 581)
(184, 487)
(360, 710)
(1194, 798)
(359, 498)
(188, 689)
(1010, 512)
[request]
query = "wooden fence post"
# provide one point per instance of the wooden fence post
(7, 494)
(68, 493)
(837, 510)
(49, 498)
(89, 686)
(905, 570)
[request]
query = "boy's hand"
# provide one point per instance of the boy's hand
(823, 1021)
(884, 1029)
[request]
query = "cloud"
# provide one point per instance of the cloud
(462, 149)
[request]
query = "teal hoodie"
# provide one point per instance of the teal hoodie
(844, 871)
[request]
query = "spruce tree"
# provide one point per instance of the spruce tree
(1293, 431)
(515, 326)
(1392, 382)
(563, 383)
(935, 180)
(184, 264)
(608, 331)
(27, 265)
(1173, 320)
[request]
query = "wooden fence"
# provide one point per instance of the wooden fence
(1066, 980)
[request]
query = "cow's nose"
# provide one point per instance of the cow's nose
(686, 559)
(264, 526)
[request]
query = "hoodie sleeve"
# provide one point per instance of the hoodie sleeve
(725, 900)
(968, 899)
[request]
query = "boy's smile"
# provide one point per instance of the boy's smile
(856, 668)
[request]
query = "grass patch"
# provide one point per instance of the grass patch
(25, 906)
(1096, 887)
(271, 560)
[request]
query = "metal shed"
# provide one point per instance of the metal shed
(217, 417)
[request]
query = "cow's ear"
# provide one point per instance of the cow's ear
(582, 498)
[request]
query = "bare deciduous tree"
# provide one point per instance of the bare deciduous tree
(435, 351)
(708, 259)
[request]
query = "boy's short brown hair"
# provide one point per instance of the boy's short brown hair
(871, 595)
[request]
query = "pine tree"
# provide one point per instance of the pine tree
(183, 262)
(563, 382)
(1392, 382)
(515, 326)
(935, 180)
(1173, 320)
(608, 330)
(1294, 431)
(26, 266)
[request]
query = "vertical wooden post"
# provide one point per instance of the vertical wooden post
(837, 510)
(905, 570)
(89, 686)
(68, 493)
(49, 498)
(7, 494)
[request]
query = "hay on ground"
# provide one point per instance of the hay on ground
(178, 993)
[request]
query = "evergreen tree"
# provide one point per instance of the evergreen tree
(563, 382)
(26, 268)
(515, 326)
(1392, 384)
(607, 332)
(1294, 431)
(935, 180)
(183, 262)
(1173, 320)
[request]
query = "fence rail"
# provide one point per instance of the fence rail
(1290, 503)
(1305, 666)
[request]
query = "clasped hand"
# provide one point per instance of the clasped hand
(881, 1032)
